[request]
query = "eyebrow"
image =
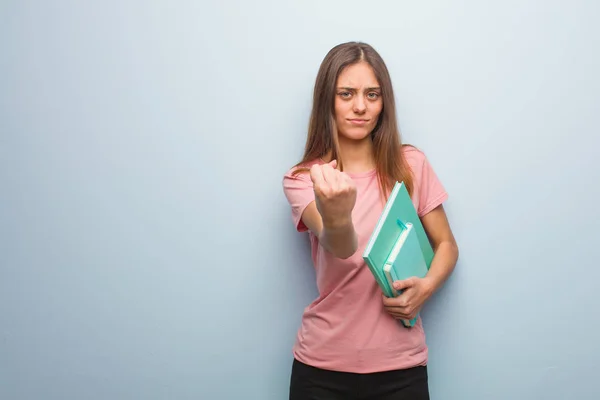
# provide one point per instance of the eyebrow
(354, 90)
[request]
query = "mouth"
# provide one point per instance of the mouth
(358, 121)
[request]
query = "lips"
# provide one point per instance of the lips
(358, 121)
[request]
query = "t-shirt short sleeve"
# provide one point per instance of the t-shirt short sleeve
(430, 191)
(298, 189)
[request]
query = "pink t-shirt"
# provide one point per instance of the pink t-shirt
(346, 328)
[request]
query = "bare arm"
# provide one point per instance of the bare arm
(339, 238)
(444, 245)
(416, 291)
(329, 217)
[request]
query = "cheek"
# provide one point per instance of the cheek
(376, 108)
(376, 114)
(340, 109)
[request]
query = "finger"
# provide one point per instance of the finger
(330, 175)
(401, 315)
(404, 284)
(389, 301)
(398, 310)
(396, 302)
(316, 175)
(402, 312)
(333, 164)
(397, 313)
(347, 181)
(338, 179)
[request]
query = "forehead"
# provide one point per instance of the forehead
(358, 76)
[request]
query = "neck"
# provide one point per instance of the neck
(357, 154)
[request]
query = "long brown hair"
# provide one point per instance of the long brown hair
(322, 133)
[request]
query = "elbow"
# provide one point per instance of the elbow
(454, 251)
(349, 251)
(345, 251)
(449, 249)
(340, 243)
(345, 255)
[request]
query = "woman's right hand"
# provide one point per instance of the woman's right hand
(335, 194)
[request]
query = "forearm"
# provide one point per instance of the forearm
(444, 261)
(340, 239)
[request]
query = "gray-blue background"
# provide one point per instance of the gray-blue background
(146, 250)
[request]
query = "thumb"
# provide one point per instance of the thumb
(404, 284)
(333, 164)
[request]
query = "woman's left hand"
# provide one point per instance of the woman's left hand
(415, 292)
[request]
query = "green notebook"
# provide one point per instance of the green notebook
(398, 247)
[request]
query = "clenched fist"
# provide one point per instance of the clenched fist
(335, 194)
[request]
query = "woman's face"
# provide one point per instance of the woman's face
(358, 101)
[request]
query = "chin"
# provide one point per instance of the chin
(357, 134)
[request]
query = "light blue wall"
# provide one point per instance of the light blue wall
(146, 250)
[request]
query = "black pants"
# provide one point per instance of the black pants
(310, 383)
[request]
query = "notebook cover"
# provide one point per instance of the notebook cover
(399, 206)
(398, 211)
(406, 261)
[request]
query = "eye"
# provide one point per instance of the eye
(373, 95)
(345, 95)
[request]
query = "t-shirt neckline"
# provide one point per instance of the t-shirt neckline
(364, 174)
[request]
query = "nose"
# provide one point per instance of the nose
(360, 105)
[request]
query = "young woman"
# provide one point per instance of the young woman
(351, 344)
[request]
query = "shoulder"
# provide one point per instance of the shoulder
(297, 184)
(429, 191)
(300, 172)
(412, 154)
(415, 158)
(298, 189)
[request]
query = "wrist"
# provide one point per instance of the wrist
(337, 224)
(430, 285)
(339, 237)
